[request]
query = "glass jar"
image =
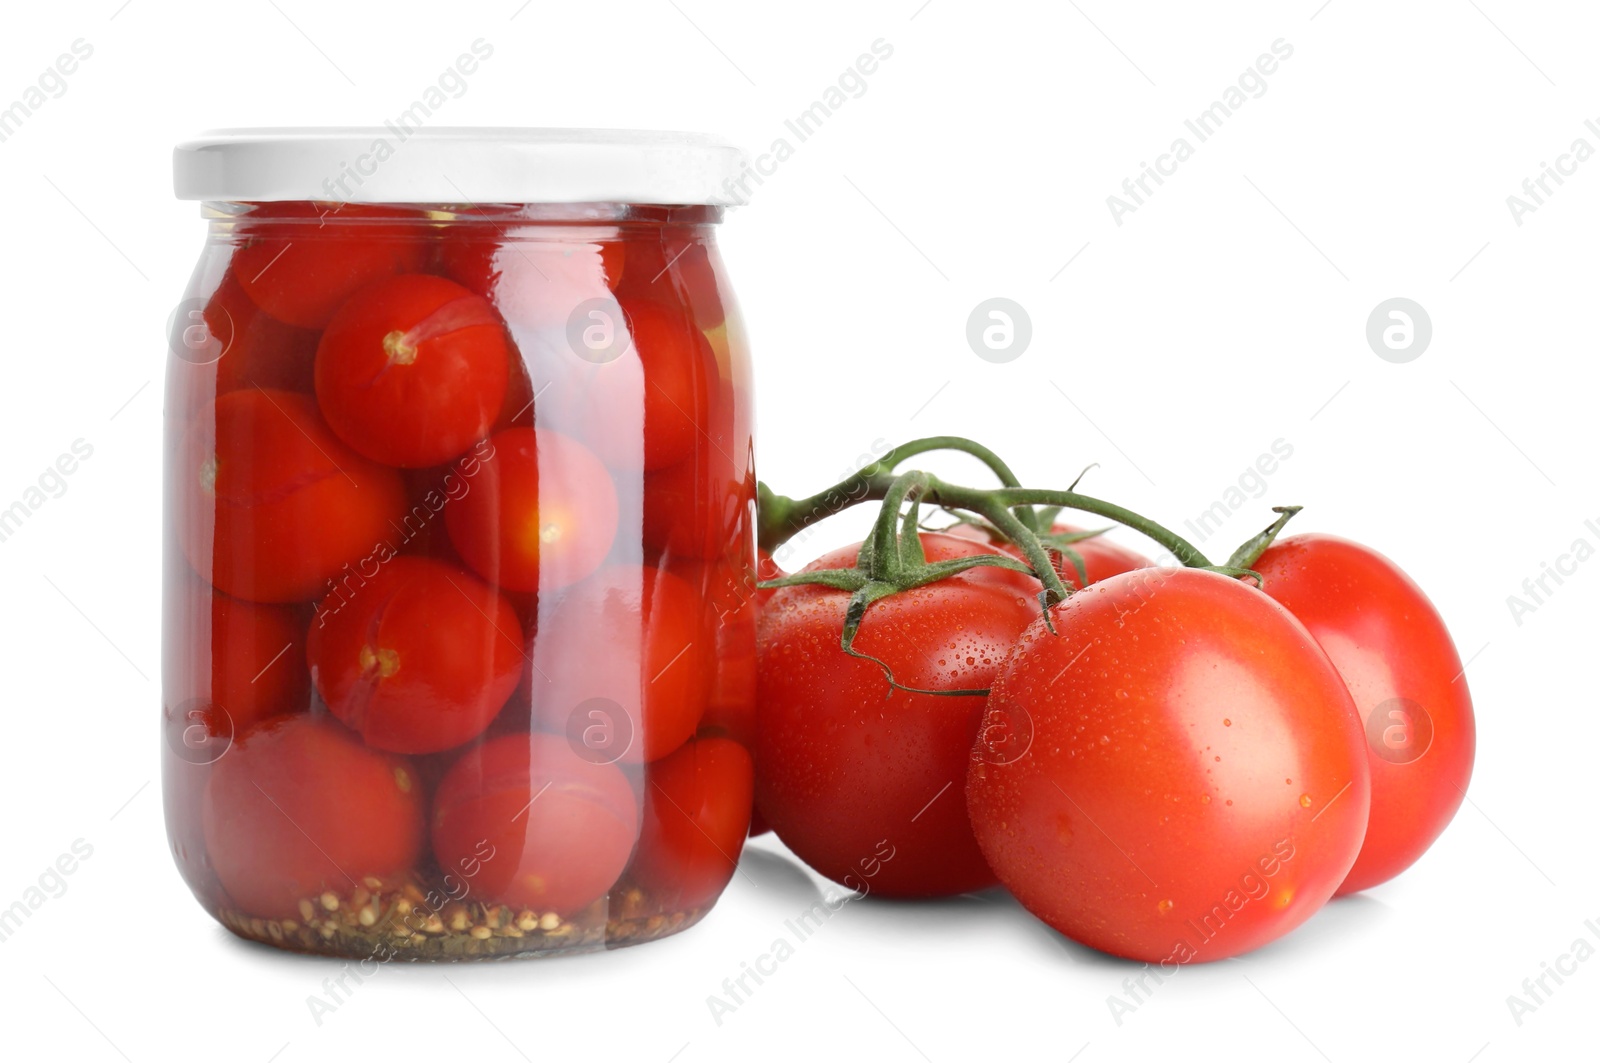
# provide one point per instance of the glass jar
(459, 552)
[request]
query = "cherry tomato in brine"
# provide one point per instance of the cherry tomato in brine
(255, 656)
(635, 387)
(413, 370)
(535, 283)
(545, 828)
(301, 261)
(419, 658)
(696, 814)
(630, 644)
(256, 349)
(541, 512)
(271, 504)
(680, 268)
(298, 806)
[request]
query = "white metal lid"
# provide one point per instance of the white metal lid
(394, 164)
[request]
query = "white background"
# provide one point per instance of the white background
(1227, 312)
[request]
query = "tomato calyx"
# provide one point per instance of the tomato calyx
(1056, 542)
(1251, 549)
(891, 560)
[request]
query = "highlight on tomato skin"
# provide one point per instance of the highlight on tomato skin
(844, 762)
(270, 503)
(298, 805)
(558, 853)
(541, 515)
(1199, 788)
(1394, 653)
(419, 658)
(412, 370)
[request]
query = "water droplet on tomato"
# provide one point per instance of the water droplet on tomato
(1163, 906)
(1305, 800)
(1205, 799)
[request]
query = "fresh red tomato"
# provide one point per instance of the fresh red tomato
(629, 643)
(412, 370)
(1101, 557)
(1390, 645)
(541, 514)
(271, 504)
(844, 762)
(766, 569)
(300, 261)
(298, 806)
(536, 283)
(696, 812)
(1174, 774)
(559, 828)
(418, 659)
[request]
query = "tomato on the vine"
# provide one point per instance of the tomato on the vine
(298, 806)
(412, 370)
(696, 813)
(271, 504)
(1392, 649)
(418, 659)
(843, 760)
(541, 513)
(551, 830)
(1174, 773)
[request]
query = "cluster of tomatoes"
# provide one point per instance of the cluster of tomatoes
(1173, 764)
(462, 535)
